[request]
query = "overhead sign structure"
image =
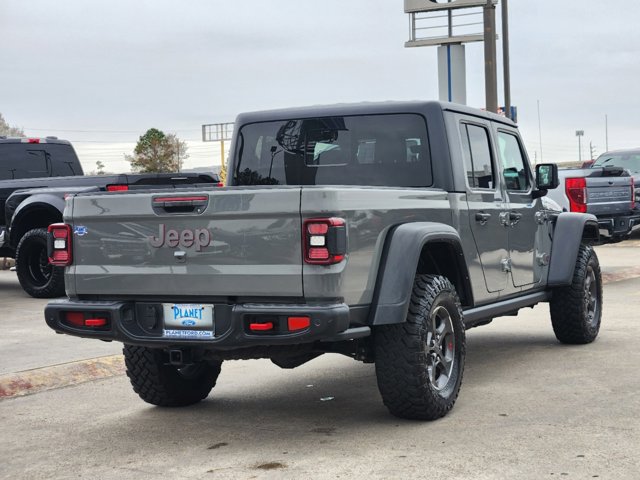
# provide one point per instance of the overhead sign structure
(218, 132)
(427, 31)
(414, 6)
(449, 24)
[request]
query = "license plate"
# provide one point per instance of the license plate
(188, 320)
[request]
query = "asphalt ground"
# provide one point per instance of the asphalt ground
(529, 407)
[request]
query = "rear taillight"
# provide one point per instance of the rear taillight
(324, 240)
(59, 247)
(576, 189)
(633, 194)
(117, 188)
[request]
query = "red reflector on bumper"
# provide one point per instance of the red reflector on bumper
(298, 323)
(261, 327)
(95, 322)
(74, 318)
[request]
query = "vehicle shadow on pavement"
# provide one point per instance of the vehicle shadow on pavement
(337, 399)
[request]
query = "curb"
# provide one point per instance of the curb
(57, 376)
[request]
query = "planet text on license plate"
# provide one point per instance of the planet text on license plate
(188, 320)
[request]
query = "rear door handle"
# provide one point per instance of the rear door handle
(482, 217)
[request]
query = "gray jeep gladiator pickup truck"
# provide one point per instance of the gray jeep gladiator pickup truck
(381, 231)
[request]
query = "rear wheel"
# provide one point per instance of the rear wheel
(159, 383)
(37, 277)
(576, 310)
(419, 363)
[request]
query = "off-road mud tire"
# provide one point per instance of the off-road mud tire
(159, 383)
(402, 353)
(36, 276)
(574, 315)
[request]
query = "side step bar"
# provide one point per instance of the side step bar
(479, 315)
(349, 334)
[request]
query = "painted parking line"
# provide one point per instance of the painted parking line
(620, 275)
(58, 376)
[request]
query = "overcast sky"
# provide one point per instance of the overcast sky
(100, 73)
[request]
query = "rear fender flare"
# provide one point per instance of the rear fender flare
(399, 264)
(569, 232)
(50, 205)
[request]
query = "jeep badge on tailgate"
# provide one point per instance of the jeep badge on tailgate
(200, 237)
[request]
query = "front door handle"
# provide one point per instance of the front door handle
(482, 217)
(514, 217)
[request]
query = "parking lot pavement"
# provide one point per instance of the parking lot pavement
(529, 408)
(27, 342)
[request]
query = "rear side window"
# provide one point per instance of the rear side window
(27, 160)
(377, 150)
(477, 156)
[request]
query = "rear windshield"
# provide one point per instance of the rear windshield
(377, 150)
(33, 160)
(630, 161)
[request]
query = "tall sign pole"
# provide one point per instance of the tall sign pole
(505, 59)
(490, 63)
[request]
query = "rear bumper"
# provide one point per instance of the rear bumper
(618, 226)
(141, 323)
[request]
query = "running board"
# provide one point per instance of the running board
(480, 315)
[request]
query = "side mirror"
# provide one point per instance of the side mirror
(547, 176)
(546, 179)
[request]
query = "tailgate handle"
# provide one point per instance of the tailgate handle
(180, 204)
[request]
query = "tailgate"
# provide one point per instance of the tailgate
(608, 195)
(227, 242)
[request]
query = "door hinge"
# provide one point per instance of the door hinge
(506, 265)
(504, 219)
(541, 217)
(543, 259)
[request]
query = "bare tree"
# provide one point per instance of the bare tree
(8, 130)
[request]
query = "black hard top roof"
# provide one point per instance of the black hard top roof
(366, 108)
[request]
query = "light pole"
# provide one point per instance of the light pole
(579, 134)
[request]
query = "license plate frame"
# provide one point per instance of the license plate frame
(191, 321)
